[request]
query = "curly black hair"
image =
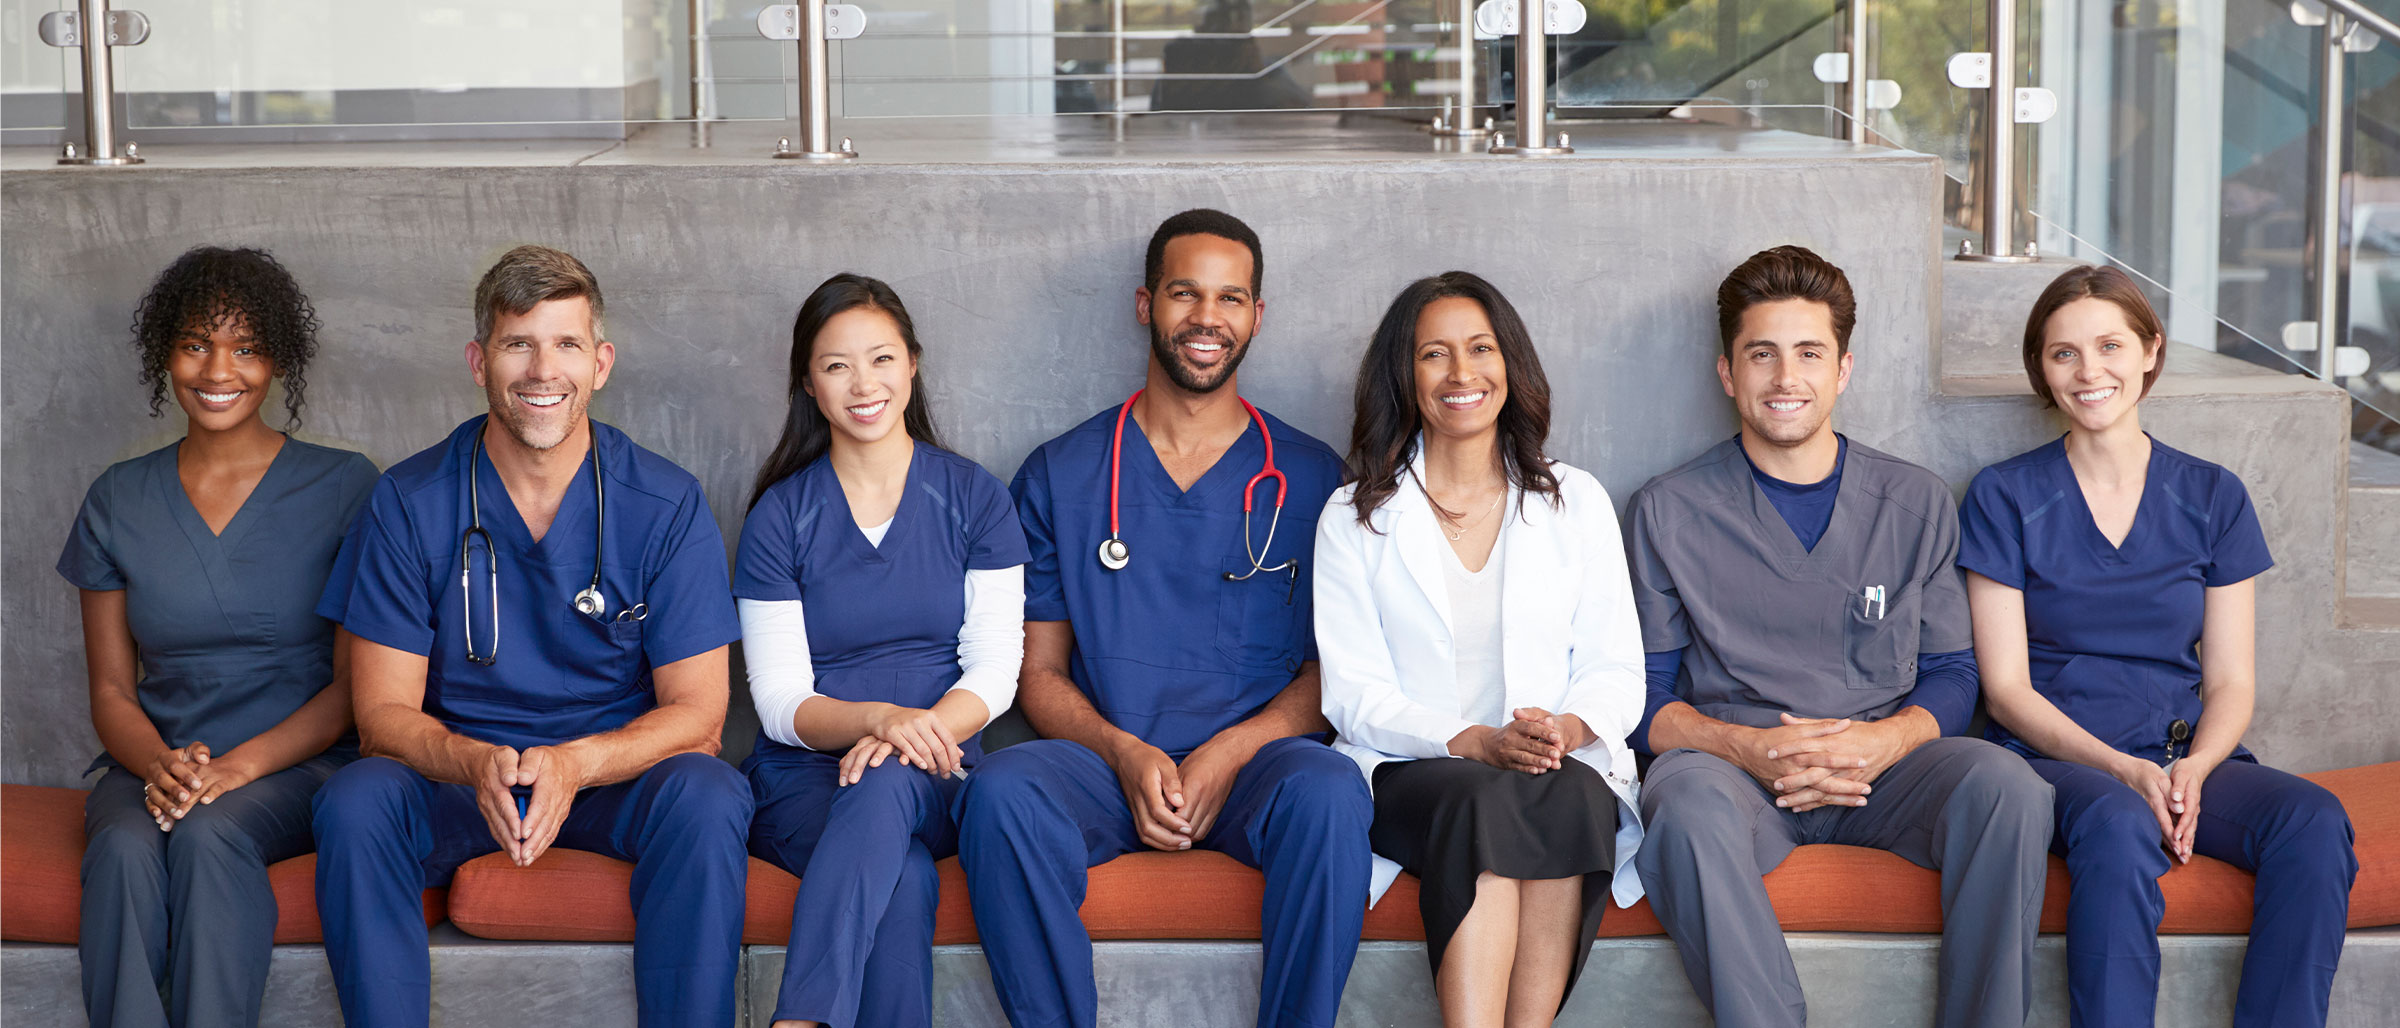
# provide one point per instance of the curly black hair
(210, 285)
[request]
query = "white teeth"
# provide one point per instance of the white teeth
(868, 410)
(1463, 399)
(543, 401)
(221, 397)
(1205, 347)
(1784, 406)
(2096, 395)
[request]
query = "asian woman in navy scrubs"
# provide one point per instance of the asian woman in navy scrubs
(882, 593)
(2112, 580)
(216, 689)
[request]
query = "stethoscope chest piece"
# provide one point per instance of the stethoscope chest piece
(1113, 554)
(590, 603)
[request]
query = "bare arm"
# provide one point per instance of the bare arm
(1053, 705)
(388, 697)
(306, 732)
(927, 738)
(689, 718)
(2228, 670)
(124, 728)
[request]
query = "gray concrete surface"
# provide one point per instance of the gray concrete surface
(1850, 979)
(1018, 254)
(2373, 538)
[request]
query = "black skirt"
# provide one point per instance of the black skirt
(1449, 820)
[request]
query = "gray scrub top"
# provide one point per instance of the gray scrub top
(225, 625)
(1769, 626)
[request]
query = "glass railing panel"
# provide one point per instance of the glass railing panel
(217, 65)
(2373, 322)
(40, 87)
(1633, 55)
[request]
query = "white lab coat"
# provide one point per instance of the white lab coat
(1570, 642)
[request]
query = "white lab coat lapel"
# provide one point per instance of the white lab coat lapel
(1419, 538)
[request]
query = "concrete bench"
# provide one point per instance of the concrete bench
(1178, 934)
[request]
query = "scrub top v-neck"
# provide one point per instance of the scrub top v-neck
(1167, 648)
(224, 623)
(2112, 632)
(1773, 625)
(558, 674)
(883, 619)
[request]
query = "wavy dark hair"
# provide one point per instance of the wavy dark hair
(806, 433)
(1383, 434)
(209, 286)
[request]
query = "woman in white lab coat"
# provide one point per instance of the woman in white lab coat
(1480, 654)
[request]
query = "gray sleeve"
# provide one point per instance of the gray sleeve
(1944, 626)
(1665, 626)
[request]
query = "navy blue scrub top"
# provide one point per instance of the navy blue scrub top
(1166, 648)
(229, 642)
(560, 674)
(883, 621)
(2112, 632)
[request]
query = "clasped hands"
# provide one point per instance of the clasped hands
(1819, 762)
(1534, 741)
(554, 773)
(2173, 796)
(916, 734)
(184, 777)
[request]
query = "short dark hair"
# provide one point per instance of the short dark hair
(1785, 273)
(2093, 282)
(1202, 221)
(209, 286)
(529, 276)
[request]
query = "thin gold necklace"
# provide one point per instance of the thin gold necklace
(1462, 526)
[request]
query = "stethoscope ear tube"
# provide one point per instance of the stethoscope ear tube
(590, 601)
(1114, 554)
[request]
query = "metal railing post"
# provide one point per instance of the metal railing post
(1460, 121)
(2326, 253)
(701, 72)
(1998, 159)
(96, 33)
(816, 93)
(1533, 87)
(1854, 92)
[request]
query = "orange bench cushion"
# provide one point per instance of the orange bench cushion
(1202, 895)
(41, 861)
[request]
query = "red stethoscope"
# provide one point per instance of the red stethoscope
(1113, 553)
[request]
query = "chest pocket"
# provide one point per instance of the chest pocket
(1879, 641)
(1257, 618)
(604, 656)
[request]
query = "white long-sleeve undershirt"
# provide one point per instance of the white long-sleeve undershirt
(991, 648)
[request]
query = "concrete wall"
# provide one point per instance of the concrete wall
(1021, 280)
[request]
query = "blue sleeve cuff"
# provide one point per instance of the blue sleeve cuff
(1660, 670)
(1947, 684)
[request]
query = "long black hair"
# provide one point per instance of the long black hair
(210, 286)
(806, 433)
(1383, 434)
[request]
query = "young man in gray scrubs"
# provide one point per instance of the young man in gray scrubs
(1810, 670)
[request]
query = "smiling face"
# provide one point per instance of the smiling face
(1461, 379)
(539, 370)
(1785, 371)
(859, 372)
(1202, 315)
(219, 373)
(2094, 361)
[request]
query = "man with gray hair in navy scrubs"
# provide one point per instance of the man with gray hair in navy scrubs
(1810, 672)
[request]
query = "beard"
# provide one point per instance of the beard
(538, 432)
(1169, 353)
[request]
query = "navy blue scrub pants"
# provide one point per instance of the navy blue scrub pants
(1037, 816)
(188, 910)
(2288, 830)
(861, 949)
(385, 833)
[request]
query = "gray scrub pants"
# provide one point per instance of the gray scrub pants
(1973, 811)
(188, 911)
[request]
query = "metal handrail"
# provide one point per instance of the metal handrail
(2371, 21)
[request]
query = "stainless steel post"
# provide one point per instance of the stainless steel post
(1854, 95)
(1999, 157)
(1533, 87)
(701, 72)
(816, 92)
(2325, 252)
(99, 92)
(1461, 121)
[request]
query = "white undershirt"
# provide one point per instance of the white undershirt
(1475, 634)
(991, 647)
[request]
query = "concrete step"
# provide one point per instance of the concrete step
(2373, 539)
(1850, 979)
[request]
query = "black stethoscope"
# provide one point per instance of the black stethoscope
(1113, 553)
(589, 601)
